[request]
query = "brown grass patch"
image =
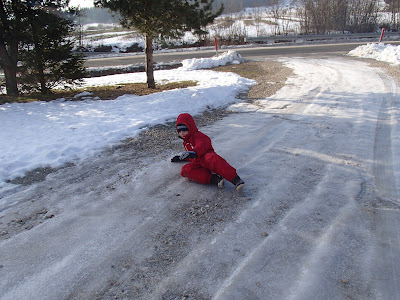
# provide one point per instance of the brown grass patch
(250, 70)
(270, 76)
(103, 92)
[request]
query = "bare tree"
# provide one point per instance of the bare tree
(363, 15)
(304, 17)
(326, 16)
(276, 11)
(339, 15)
(258, 16)
(394, 9)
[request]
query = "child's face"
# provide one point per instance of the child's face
(183, 133)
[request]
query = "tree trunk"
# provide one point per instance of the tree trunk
(149, 63)
(10, 67)
(40, 71)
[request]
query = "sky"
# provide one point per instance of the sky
(53, 133)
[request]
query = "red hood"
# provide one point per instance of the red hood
(188, 120)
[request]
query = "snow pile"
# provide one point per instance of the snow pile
(230, 57)
(52, 133)
(380, 51)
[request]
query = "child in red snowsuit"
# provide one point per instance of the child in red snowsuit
(205, 165)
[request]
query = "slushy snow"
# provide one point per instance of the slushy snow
(53, 133)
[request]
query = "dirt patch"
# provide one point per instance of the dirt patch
(391, 70)
(270, 76)
(165, 136)
(24, 222)
(36, 175)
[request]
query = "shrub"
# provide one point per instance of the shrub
(134, 48)
(103, 48)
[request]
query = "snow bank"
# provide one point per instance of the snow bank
(380, 51)
(230, 57)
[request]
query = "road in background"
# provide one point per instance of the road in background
(248, 53)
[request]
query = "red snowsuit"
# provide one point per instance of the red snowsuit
(207, 161)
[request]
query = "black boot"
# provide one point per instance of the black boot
(217, 180)
(238, 183)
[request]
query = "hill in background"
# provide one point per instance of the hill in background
(102, 15)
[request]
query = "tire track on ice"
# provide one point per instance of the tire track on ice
(383, 163)
(386, 265)
(297, 253)
(232, 247)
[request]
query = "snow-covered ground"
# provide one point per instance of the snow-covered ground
(317, 219)
(52, 133)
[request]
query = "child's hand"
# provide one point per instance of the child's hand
(188, 154)
(175, 159)
(184, 156)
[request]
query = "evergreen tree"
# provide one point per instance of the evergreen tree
(12, 29)
(47, 57)
(35, 32)
(162, 18)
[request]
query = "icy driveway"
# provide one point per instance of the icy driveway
(318, 219)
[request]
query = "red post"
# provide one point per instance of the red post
(383, 31)
(216, 45)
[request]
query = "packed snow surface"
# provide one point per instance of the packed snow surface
(52, 133)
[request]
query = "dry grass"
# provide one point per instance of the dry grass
(250, 70)
(103, 92)
(270, 76)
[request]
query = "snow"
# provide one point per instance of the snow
(53, 133)
(200, 63)
(311, 223)
(380, 51)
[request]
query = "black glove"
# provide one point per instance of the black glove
(188, 154)
(183, 156)
(175, 159)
